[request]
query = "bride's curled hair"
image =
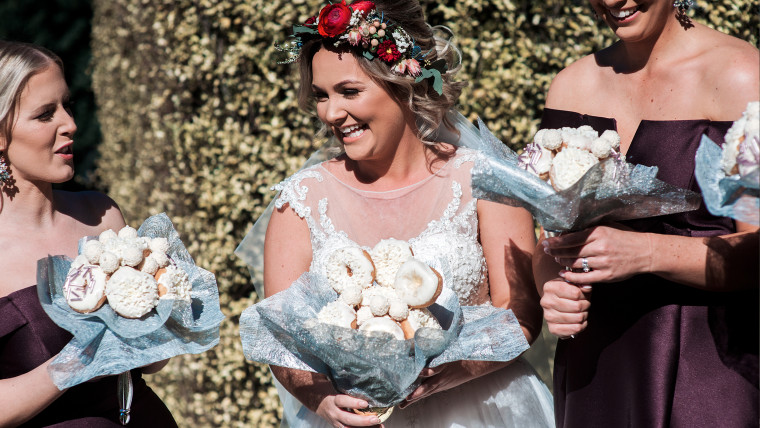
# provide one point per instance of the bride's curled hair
(421, 98)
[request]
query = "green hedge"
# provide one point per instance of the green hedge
(199, 121)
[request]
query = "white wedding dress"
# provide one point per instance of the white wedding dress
(438, 217)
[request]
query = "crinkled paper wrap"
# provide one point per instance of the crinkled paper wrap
(282, 330)
(726, 196)
(107, 344)
(611, 190)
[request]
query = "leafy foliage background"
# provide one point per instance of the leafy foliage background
(199, 121)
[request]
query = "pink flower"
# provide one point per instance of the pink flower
(354, 37)
(399, 68)
(413, 67)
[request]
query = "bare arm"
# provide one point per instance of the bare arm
(22, 397)
(287, 255)
(507, 237)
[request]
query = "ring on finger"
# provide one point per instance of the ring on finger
(584, 265)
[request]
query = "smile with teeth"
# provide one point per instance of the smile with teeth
(353, 131)
(622, 14)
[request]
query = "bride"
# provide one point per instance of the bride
(392, 181)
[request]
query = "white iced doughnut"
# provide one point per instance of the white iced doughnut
(109, 262)
(350, 265)
(128, 232)
(388, 255)
(79, 261)
(613, 137)
(601, 148)
(569, 165)
(363, 314)
(351, 295)
(85, 288)
(131, 293)
(92, 251)
(417, 284)
(379, 305)
(174, 282)
(552, 139)
(398, 310)
(132, 256)
(106, 236)
(159, 245)
(339, 314)
(383, 324)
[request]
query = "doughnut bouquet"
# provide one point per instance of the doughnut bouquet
(373, 321)
(569, 178)
(730, 176)
(130, 298)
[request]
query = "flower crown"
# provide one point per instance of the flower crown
(364, 29)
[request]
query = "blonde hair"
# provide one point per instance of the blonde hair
(18, 63)
(428, 106)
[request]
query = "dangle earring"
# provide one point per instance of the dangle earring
(5, 174)
(683, 6)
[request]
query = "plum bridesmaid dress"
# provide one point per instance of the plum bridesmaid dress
(28, 338)
(657, 353)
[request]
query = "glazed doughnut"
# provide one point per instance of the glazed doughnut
(131, 293)
(85, 288)
(417, 284)
(388, 255)
(385, 325)
(339, 314)
(350, 266)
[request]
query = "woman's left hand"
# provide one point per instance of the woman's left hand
(611, 254)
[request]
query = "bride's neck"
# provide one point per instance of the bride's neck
(27, 205)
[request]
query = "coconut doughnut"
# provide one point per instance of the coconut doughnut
(370, 292)
(363, 314)
(379, 305)
(350, 265)
(601, 148)
(106, 236)
(613, 137)
(398, 310)
(351, 295)
(417, 284)
(339, 314)
(85, 288)
(387, 256)
(127, 232)
(92, 251)
(383, 324)
(568, 167)
(173, 283)
(417, 319)
(109, 262)
(551, 139)
(131, 293)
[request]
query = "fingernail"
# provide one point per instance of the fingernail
(561, 274)
(546, 249)
(586, 288)
(375, 420)
(364, 404)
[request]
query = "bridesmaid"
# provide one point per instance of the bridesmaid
(668, 337)
(36, 151)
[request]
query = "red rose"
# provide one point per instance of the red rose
(363, 5)
(334, 19)
(310, 21)
(388, 52)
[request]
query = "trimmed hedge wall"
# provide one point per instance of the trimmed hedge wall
(199, 121)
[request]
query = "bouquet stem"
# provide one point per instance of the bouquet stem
(125, 396)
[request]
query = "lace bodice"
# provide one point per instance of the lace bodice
(437, 216)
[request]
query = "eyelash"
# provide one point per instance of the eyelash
(348, 93)
(47, 115)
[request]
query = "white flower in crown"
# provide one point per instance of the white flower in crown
(356, 17)
(402, 40)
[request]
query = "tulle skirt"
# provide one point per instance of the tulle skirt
(511, 397)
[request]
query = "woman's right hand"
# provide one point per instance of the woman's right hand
(337, 410)
(565, 307)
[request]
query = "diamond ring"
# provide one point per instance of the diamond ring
(584, 265)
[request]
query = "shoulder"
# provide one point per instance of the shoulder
(580, 77)
(731, 74)
(93, 209)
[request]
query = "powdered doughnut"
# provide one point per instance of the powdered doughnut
(363, 314)
(350, 265)
(417, 284)
(383, 324)
(85, 288)
(351, 295)
(339, 314)
(131, 293)
(388, 255)
(379, 305)
(398, 310)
